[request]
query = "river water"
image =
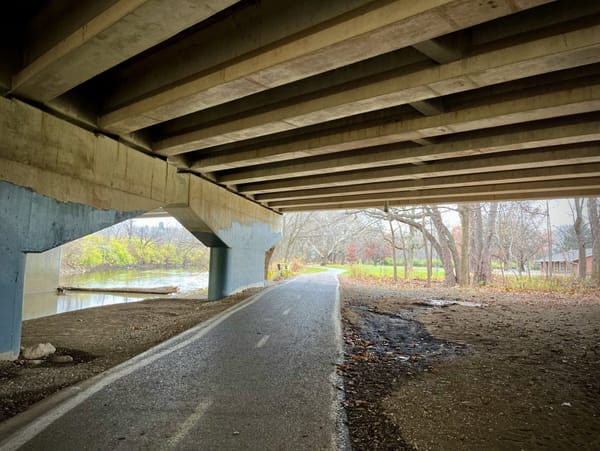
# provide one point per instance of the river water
(44, 304)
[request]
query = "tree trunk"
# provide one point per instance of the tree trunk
(447, 247)
(427, 253)
(486, 257)
(578, 226)
(406, 272)
(482, 244)
(393, 235)
(594, 219)
(465, 215)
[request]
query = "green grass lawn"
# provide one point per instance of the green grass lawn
(312, 269)
(363, 270)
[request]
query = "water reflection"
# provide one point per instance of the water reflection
(43, 304)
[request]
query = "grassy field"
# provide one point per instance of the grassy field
(506, 283)
(377, 271)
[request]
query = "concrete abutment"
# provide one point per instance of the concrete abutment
(59, 182)
(33, 223)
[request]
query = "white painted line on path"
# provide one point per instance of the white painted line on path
(189, 423)
(262, 341)
(102, 380)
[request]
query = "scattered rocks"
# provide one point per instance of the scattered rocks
(37, 352)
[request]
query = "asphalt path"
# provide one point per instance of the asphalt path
(258, 377)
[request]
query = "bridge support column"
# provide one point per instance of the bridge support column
(234, 269)
(12, 263)
(217, 273)
(36, 223)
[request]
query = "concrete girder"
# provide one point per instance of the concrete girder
(504, 139)
(450, 181)
(305, 88)
(545, 157)
(445, 49)
(470, 198)
(238, 231)
(556, 102)
(441, 194)
(65, 162)
(526, 58)
(121, 31)
(379, 27)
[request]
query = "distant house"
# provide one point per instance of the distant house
(566, 262)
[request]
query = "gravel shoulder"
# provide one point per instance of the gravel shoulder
(518, 371)
(98, 339)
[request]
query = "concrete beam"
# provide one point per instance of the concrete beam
(121, 31)
(447, 194)
(488, 178)
(498, 197)
(238, 231)
(379, 27)
(444, 49)
(555, 101)
(527, 58)
(547, 157)
(504, 139)
(62, 161)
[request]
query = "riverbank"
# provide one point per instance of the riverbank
(490, 370)
(98, 339)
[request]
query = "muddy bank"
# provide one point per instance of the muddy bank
(98, 339)
(518, 372)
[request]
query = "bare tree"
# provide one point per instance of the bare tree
(519, 237)
(594, 220)
(482, 239)
(443, 241)
(578, 225)
(293, 227)
(465, 216)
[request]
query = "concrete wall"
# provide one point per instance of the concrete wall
(42, 272)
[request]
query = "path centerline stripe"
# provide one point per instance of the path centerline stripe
(189, 423)
(262, 341)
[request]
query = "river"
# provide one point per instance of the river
(45, 304)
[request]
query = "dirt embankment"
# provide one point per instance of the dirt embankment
(521, 371)
(98, 339)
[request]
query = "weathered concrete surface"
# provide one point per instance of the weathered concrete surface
(42, 272)
(239, 231)
(540, 134)
(60, 160)
(524, 59)
(115, 34)
(574, 98)
(545, 157)
(377, 28)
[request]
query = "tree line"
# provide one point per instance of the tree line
(468, 240)
(130, 244)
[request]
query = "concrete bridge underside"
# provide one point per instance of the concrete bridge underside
(228, 113)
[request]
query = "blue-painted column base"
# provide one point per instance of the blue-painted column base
(233, 269)
(30, 222)
(12, 264)
(240, 263)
